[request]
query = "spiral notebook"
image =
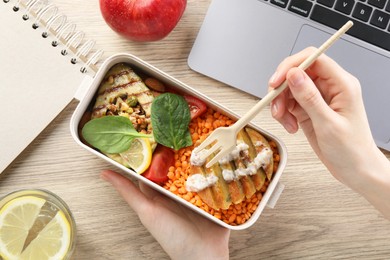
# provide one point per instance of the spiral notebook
(44, 64)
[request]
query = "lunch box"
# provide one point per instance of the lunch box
(86, 95)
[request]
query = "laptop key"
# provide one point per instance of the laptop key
(362, 12)
(281, 3)
(328, 3)
(377, 3)
(388, 7)
(301, 7)
(344, 6)
(359, 30)
(380, 19)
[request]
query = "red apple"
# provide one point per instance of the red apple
(142, 20)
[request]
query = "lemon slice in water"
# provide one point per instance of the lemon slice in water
(52, 242)
(139, 155)
(16, 219)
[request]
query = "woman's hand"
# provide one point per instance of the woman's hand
(326, 102)
(182, 233)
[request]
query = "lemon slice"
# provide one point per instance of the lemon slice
(52, 242)
(16, 219)
(139, 155)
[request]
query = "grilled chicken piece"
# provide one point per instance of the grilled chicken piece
(122, 92)
(260, 143)
(121, 81)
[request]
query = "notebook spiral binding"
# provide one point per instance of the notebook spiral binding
(46, 15)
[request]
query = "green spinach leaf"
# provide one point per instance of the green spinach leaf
(110, 134)
(170, 120)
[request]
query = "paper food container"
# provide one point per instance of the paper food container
(87, 96)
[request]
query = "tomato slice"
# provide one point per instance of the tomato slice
(197, 106)
(163, 158)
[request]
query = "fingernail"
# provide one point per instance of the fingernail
(104, 177)
(290, 105)
(274, 109)
(296, 78)
(274, 77)
(289, 128)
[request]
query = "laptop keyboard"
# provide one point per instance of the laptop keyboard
(370, 17)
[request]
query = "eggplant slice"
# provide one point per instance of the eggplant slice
(226, 192)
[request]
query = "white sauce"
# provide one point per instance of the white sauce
(262, 160)
(228, 175)
(198, 182)
(196, 158)
(235, 154)
(258, 144)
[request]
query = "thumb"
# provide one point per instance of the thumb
(307, 94)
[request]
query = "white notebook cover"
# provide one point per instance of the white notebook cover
(36, 81)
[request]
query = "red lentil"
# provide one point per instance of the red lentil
(178, 174)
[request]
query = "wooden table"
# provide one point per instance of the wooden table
(316, 217)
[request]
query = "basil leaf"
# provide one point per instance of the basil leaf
(110, 134)
(170, 120)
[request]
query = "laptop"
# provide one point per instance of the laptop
(241, 42)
